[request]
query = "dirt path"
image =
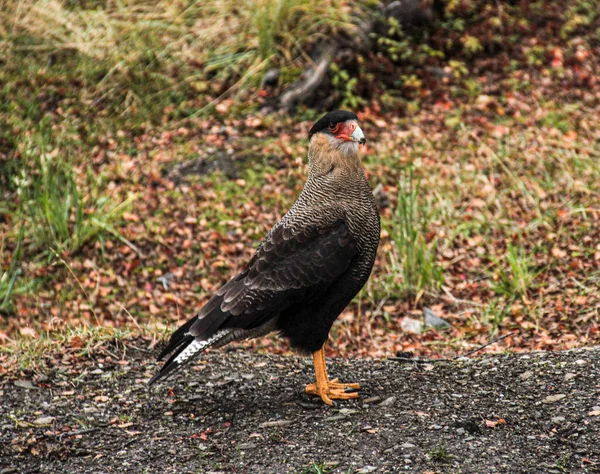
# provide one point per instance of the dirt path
(245, 413)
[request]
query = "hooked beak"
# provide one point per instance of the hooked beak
(358, 136)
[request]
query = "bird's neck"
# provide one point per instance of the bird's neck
(325, 154)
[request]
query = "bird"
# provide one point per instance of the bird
(307, 269)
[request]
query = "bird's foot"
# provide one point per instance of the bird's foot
(333, 390)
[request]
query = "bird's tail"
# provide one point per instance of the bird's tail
(187, 348)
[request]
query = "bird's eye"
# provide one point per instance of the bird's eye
(333, 127)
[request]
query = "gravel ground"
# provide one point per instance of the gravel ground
(239, 412)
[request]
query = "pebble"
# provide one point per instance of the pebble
(412, 325)
(553, 398)
(44, 420)
(526, 375)
(433, 320)
(369, 400)
(460, 431)
(275, 423)
(407, 446)
(388, 402)
(25, 384)
(367, 469)
(247, 446)
(570, 376)
(335, 418)
(435, 427)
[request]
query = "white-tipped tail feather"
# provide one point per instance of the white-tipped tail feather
(188, 350)
(197, 346)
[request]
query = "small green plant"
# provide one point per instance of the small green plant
(317, 468)
(516, 278)
(440, 454)
(413, 259)
(564, 462)
(398, 46)
(346, 88)
(494, 313)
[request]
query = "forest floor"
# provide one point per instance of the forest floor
(240, 412)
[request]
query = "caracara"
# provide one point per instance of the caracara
(306, 270)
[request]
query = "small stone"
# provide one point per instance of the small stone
(412, 325)
(526, 375)
(434, 321)
(44, 420)
(581, 362)
(275, 423)
(335, 418)
(460, 431)
(347, 411)
(388, 402)
(26, 384)
(553, 398)
(370, 400)
(367, 469)
(247, 446)
(435, 427)
(570, 376)
(407, 446)
(97, 372)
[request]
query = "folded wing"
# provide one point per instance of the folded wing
(290, 266)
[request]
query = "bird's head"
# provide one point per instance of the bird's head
(341, 129)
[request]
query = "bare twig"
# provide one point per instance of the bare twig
(498, 339)
(409, 359)
(75, 433)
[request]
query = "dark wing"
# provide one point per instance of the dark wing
(288, 267)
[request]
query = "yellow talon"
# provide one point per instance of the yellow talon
(329, 389)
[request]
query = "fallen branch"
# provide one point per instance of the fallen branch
(310, 80)
(406, 12)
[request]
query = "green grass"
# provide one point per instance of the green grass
(514, 275)
(58, 214)
(137, 58)
(31, 353)
(440, 454)
(317, 468)
(413, 262)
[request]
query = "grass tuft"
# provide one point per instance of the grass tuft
(58, 215)
(516, 277)
(413, 264)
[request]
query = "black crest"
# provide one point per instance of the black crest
(331, 118)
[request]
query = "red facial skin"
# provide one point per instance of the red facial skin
(343, 130)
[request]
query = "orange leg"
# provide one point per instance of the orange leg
(325, 388)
